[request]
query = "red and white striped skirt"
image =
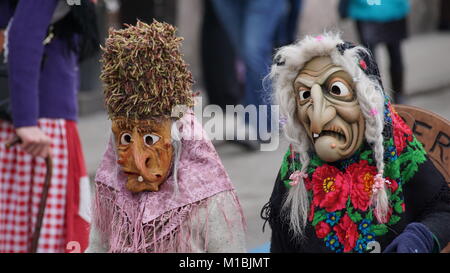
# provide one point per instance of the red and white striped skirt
(65, 226)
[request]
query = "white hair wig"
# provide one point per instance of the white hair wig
(289, 60)
(177, 148)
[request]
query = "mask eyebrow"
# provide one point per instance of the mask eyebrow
(153, 125)
(124, 125)
(303, 82)
(145, 129)
(309, 80)
(342, 75)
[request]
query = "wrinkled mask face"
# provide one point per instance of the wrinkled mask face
(328, 109)
(145, 152)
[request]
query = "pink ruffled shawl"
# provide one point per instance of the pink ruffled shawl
(150, 221)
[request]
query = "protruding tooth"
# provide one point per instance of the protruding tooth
(140, 178)
(315, 135)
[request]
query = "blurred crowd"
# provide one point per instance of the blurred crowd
(238, 39)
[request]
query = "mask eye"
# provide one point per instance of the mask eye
(304, 94)
(125, 139)
(150, 139)
(339, 89)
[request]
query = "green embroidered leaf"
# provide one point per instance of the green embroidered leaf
(388, 143)
(284, 170)
(286, 183)
(394, 220)
(392, 169)
(369, 216)
(411, 159)
(356, 217)
(315, 162)
(379, 230)
(319, 216)
(367, 155)
(394, 198)
(348, 205)
(398, 207)
(285, 165)
(417, 145)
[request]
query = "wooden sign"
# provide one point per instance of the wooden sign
(434, 133)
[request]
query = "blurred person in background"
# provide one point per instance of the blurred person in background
(444, 18)
(218, 61)
(251, 26)
(146, 11)
(44, 42)
(382, 22)
(221, 70)
(287, 29)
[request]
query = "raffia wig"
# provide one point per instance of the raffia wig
(144, 73)
(289, 60)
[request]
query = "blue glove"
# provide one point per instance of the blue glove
(416, 238)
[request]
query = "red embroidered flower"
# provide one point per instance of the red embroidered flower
(393, 185)
(347, 233)
(308, 184)
(322, 229)
(402, 132)
(330, 188)
(362, 182)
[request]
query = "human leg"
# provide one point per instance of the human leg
(261, 21)
(396, 70)
(230, 13)
(218, 61)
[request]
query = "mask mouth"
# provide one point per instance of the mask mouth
(334, 132)
(139, 177)
(131, 173)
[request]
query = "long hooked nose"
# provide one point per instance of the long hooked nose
(142, 161)
(322, 112)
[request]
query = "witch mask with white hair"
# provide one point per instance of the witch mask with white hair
(341, 181)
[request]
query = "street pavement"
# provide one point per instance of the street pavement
(427, 63)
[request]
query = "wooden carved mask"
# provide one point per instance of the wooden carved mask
(145, 152)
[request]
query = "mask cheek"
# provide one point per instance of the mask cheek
(158, 163)
(303, 116)
(165, 160)
(350, 114)
(123, 158)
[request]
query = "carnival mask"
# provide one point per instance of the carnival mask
(144, 149)
(328, 109)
